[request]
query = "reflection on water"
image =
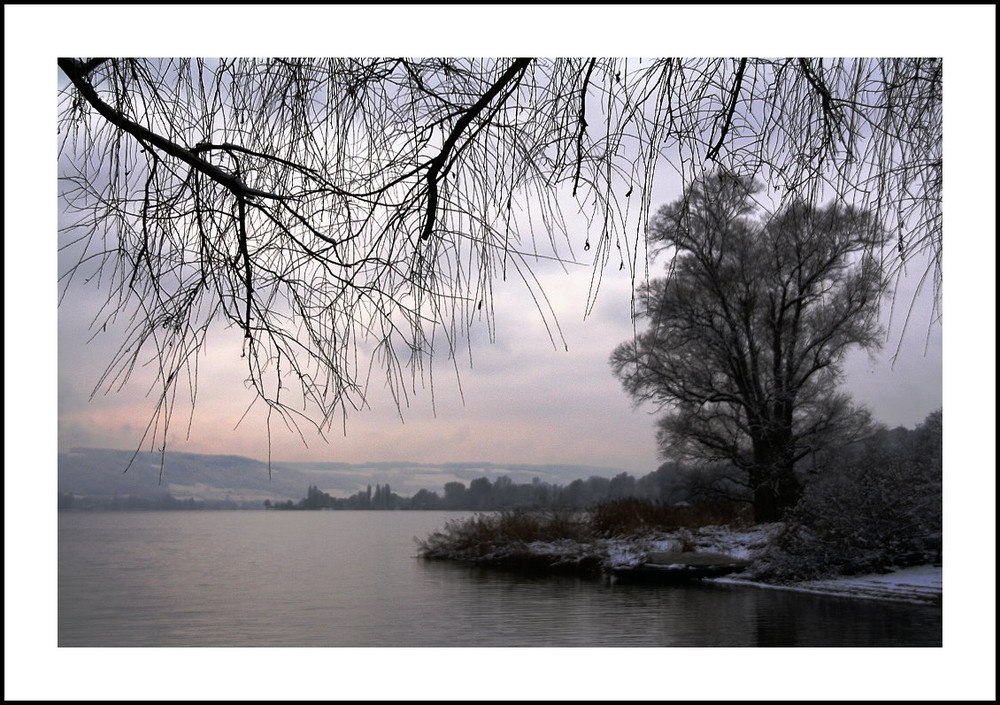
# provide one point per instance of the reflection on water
(351, 579)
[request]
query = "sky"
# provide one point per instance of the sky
(521, 398)
(596, 422)
(526, 400)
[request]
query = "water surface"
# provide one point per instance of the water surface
(332, 578)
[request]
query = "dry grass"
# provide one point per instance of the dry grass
(483, 534)
(630, 516)
(485, 537)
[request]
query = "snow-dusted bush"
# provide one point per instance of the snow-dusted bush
(880, 508)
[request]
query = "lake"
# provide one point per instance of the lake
(352, 579)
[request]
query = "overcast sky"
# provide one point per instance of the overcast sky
(522, 400)
(525, 400)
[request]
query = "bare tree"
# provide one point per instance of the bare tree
(341, 211)
(747, 331)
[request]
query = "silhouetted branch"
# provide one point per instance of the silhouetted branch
(74, 70)
(583, 124)
(713, 153)
(436, 169)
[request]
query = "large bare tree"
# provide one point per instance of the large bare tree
(748, 329)
(349, 216)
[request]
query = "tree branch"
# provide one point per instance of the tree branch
(89, 66)
(824, 94)
(435, 170)
(713, 153)
(583, 124)
(75, 71)
(245, 254)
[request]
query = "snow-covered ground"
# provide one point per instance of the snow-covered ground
(919, 584)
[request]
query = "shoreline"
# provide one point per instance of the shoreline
(623, 555)
(921, 585)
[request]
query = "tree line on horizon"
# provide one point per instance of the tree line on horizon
(165, 501)
(903, 464)
(894, 475)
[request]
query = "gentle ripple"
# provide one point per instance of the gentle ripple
(244, 578)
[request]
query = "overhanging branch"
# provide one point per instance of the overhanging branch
(76, 72)
(713, 153)
(434, 171)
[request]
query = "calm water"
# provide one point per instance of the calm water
(244, 578)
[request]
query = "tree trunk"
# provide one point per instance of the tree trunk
(765, 506)
(775, 487)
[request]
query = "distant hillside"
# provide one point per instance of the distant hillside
(98, 472)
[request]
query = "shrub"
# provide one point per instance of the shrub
(629, 516)
(877, 513)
